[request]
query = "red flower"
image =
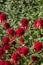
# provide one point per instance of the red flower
(19, 49)
(37, 46)
(1, 62)
(33, 58)
(24, 51)
(15, 57)
(11, 32)
(7, 63)
(3, 17)
(22, 41)
(1, 51)
(38, 23)
(5, 39)
(6, 46)
(6, 25)
(24, 23)
(20, 31)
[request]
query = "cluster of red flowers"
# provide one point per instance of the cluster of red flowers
(12, 34)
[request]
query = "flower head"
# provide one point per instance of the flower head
(20, 31)
(15, 57)
(24, 23)
(7, 63)
(11, 32)
(24, 51)
(22, 41)
(1, 62)
(6, 47)
(37, 46)
(5, 39)
(33, 58)
(3, 17)
(38, 23)
(6, 26)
